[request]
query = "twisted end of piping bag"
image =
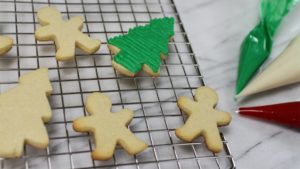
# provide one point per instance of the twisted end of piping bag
(257, 45)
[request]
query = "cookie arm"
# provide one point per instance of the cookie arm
(83, 41)
(125, 116)
(186, 105)
(222, 118)
(83, 124)
(86, 43)
(5, 44)
(44, 33)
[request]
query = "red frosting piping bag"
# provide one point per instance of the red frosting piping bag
(283, 113)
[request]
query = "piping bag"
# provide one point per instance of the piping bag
(284, 70)
(283, 113)
(257, 45)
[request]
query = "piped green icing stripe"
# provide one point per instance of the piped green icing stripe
(144, 45)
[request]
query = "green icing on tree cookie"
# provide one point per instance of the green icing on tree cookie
(144, 45)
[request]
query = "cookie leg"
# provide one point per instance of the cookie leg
(66, 51)
(213, 140)
(87, 44)
(105, 148)
(131, 143)
(189, 131)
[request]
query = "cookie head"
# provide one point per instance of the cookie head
(207, 94)
(48, 15)
(98, 103)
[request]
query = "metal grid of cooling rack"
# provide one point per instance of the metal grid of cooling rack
(152, 99)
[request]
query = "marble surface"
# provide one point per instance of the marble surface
(216, 29)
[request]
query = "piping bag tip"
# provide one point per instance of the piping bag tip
(282, 113)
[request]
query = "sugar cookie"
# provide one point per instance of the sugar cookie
(109, 129)
(23, 110)
(5, 44)
(203, 118)
(142, 48)
(65, 34)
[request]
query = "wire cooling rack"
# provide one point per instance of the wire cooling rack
(152, 99)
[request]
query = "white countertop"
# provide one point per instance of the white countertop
(216, 29)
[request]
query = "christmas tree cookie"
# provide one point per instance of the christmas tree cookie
(283, 71)
(203, 119)
(5, 44)
(109, 129)
(142, 48)
(23, 111)
(67, 35)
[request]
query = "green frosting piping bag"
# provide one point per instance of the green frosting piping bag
(257, 45)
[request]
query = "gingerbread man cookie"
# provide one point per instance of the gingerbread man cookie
(23, 110)
(5, 44)
(66, 34)
(203, 119)
(109, 129)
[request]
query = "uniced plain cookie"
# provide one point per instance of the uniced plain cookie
(67, 35)
(142, 48)
(23, 111)
(109, 129)
(5, 44)
(203, 119)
